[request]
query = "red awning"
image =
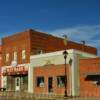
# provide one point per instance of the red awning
(15, 70)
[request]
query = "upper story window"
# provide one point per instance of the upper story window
(15, 56)
(7, 57)
(23, 54)
(39, 51)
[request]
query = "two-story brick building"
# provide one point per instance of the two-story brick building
(16, 51)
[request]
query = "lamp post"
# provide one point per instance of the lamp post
(65, 53)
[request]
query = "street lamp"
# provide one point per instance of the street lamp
(65, 53)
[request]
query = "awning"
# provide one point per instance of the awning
(93, 76)
(91, 73)
(15, 70)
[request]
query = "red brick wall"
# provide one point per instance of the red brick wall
(16, 43)
(49, 71)
(32, 40)
(51, 43)
(87, 88)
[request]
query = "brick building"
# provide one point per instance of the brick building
(83, 74)
(90, 77)
(49, 69)
(17, 70)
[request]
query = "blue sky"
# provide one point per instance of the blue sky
(79, 19)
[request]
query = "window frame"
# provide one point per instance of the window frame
(58, 81)
(15, 56)
(23, 54)
(38, 84)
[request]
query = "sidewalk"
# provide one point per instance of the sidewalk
(27, 96)
(3, 98)
(13, 98)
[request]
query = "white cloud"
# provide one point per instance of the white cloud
(90, 34)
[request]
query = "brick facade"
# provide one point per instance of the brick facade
(33, 41)
(89, 75)
(50, 71)
(16, 43)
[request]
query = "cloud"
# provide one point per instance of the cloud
(90, 34)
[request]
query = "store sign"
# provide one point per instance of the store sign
(49, 62)
(16, 69)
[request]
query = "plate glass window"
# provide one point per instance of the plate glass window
(40, 81)
(60, 81)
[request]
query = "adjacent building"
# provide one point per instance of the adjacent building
(89, 72)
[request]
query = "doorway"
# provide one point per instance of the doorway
(17, 84)
(50, 84)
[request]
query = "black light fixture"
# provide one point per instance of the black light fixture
(65, 53)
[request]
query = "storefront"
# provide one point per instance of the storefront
(50, 79)
(15, 78)
(49, 72)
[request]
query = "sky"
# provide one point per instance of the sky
(78, 19)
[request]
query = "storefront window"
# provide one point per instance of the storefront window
(40, 81)
(98, 83)
(60, 81)
(95, 79)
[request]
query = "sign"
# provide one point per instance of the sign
(15, 70)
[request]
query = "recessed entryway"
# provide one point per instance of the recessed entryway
(50, 84)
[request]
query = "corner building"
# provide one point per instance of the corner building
(49, 69)
(16, 52)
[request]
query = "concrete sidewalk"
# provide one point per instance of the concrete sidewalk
(27, 96)
(23, 98)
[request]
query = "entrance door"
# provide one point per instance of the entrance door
(17, 83)
(50, 85)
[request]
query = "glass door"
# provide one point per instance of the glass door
(17, 84)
